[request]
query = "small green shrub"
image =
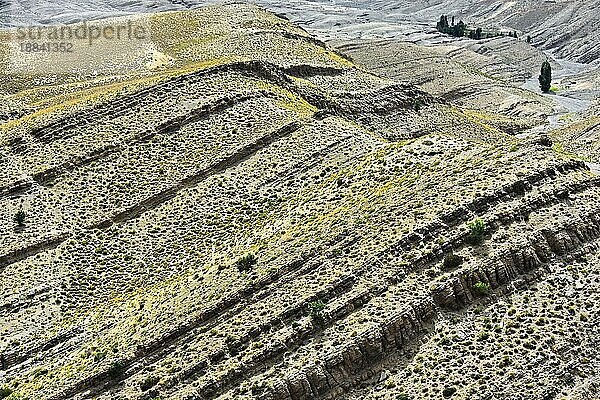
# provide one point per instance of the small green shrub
(481, 288)
(315, 310)
(477, 228)
(149, 382)
(5, 392)
(448, 392)
(417, 105)
(116, 368)
(246, 262)
(20, 217)
(39, 372)
(452, 261)
(99, 355)
(445, 341)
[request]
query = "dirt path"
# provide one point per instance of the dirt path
(567, 103)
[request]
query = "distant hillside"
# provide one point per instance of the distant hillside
(569, 27)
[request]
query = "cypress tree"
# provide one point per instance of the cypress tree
(458, 30)
(545, 77)
(478, 32)
(442, 25)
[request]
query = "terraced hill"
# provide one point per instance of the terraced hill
(459, 76)
(262, 218)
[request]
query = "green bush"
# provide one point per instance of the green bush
(99, 355)
(417, 105)
(448, 392)
(315, 310)
(477, 228)
(20, 217)
(452, 261)
(246, 262)
(481, 288)
(116, 368)
(39, 372)
(149, 382)
(5, 392)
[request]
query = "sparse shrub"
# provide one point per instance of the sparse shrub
(246, 262)
(481, 288)
(445, 340)
(389, 384)
(506, 361)
(116, 368)
(233, 344)
(417, 105)
(520, 187)
(483, 335)
(315, 310)
(20, 217)
(452, 261)
(39, 372)
(448, 392)
(477, 228)
(5, 392)
(99, 355)
(149, 382)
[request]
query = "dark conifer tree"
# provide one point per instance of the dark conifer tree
(478, 33)
(545, 77)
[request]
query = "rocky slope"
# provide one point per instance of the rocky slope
(459, 76)
(262, 218)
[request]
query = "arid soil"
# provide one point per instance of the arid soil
(252, 213)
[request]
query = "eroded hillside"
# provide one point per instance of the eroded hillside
(259, 217)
